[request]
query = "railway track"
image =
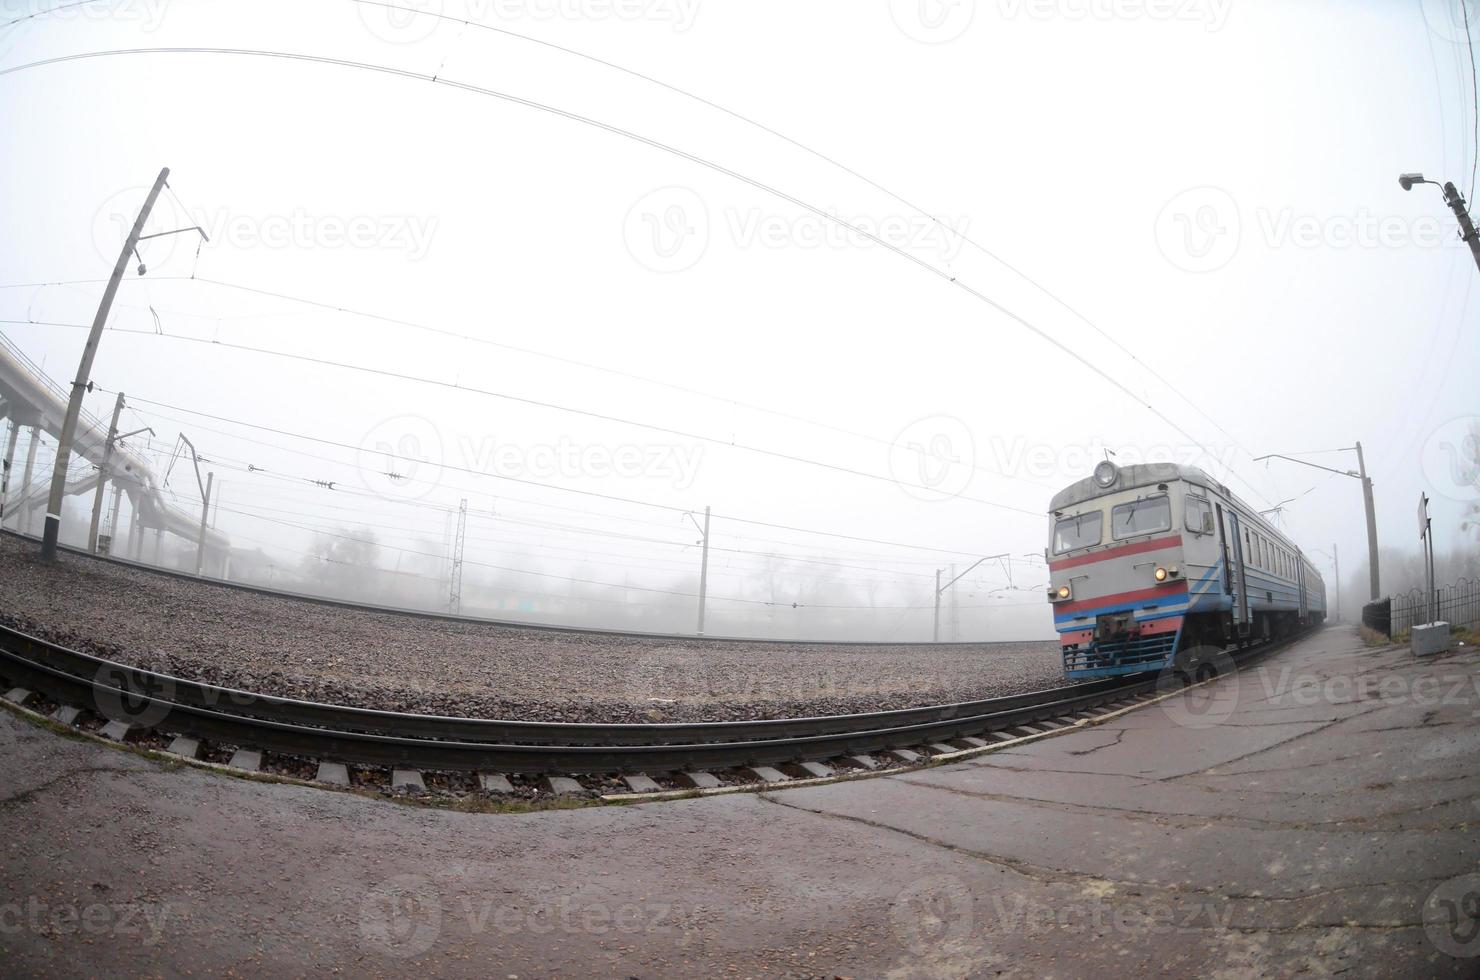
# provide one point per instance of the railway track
(124, 702)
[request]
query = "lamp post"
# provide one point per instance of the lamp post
(1456, 202)
(1360, 473)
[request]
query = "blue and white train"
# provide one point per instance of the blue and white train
(1152, 561)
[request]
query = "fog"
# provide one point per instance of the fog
(591, 305)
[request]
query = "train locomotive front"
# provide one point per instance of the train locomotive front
(1155, 564)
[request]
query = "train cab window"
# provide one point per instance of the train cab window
(1079, 531)
(1199, 516)
(1144, 516)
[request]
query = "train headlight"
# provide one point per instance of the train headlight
(1106, 474)
(1058, 595)
(1161, 574)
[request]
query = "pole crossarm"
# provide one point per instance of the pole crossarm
(941, 589)
(1351, 473)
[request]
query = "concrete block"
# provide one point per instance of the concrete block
(942, 748)
(66, 714)
(116, 730)
(407, 781)
(867, 761)
(18, 695)
(495, 782)
(333, 773)
(816, 769)
(1003, 736)
(700, 780)
(976, 743)
(1034, 729)
(768, 775)
(248, 759)
(904, 755)
(638, 783)
(1425, 640)
(562, 785)
(188, 747)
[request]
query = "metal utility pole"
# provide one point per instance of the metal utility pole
(454, 595)
(1456, 202)
(1360, 473)
(1336, 564)
(53, 527)
(1466, 226)
(935, 631)
(205, 512)
(935, 635)
(703, 566)
(1376, 588)
(97, 513)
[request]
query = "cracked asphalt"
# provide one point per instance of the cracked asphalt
(1315, 814)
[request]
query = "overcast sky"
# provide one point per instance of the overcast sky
(1210, 184)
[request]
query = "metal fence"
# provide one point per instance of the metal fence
(1459, 605)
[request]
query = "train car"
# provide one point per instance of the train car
(1152, 565)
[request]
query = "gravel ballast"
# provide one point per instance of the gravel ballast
(297, 648)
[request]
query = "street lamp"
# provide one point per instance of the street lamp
(1360, 473)
(1456, 202)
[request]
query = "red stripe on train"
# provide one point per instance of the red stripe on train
(1155, 544)
(1157, 592)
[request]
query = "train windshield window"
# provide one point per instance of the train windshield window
(1141, 517)
(1199, 516)
(1079, 531)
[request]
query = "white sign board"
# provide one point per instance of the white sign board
(1423, 516)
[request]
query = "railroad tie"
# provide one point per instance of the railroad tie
(407, 781)
(701, 780)
(639, 783)
(118, 731)
(562, 785)
(333, 773)
(494, 782)
(248, 759)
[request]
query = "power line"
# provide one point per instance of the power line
(548, 486)
(962, 236)
(1464, 5)
(615, 130)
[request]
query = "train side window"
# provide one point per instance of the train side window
(1199, 516)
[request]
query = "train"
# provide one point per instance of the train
(1153, 565)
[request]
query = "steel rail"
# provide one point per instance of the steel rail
(430, 742)
(131, 682)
